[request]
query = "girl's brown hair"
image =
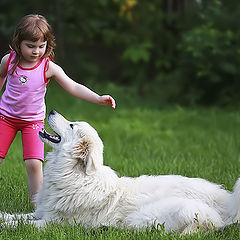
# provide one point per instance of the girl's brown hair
(32, 27)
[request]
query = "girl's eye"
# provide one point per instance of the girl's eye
(71, 125)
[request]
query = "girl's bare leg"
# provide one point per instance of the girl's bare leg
(34, 177)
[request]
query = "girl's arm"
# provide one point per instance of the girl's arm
(3, 74)
(76, 89)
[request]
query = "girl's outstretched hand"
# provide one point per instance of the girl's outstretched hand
(107, 100)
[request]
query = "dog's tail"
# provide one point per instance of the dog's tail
(234, 204)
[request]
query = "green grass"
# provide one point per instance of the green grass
(140, 137)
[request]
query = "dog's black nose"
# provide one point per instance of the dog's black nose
(52, 112)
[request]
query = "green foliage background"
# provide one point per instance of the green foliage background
(172, 51)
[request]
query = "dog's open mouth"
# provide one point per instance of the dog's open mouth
(50, 137)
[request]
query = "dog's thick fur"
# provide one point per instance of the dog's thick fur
(77, 187)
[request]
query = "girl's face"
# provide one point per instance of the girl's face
(32, 52)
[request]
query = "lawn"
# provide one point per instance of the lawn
(140, 137)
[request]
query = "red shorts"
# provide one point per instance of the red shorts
(33, 147)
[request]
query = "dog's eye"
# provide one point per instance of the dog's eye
(71, 125)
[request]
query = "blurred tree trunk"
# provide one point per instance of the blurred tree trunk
(4, 48)
(60, 32)
(177, 5)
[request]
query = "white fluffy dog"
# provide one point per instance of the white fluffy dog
(77, 187)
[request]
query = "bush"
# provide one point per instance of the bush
(211, 56)
(184, 52)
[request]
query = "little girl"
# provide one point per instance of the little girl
(28, 68)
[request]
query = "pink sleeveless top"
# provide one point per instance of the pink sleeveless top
(25, 91)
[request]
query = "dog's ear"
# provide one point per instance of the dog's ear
(83, 150)
(94, 158)
(90, 157)
(90, 166)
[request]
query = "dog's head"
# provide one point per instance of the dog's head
(79, 139)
